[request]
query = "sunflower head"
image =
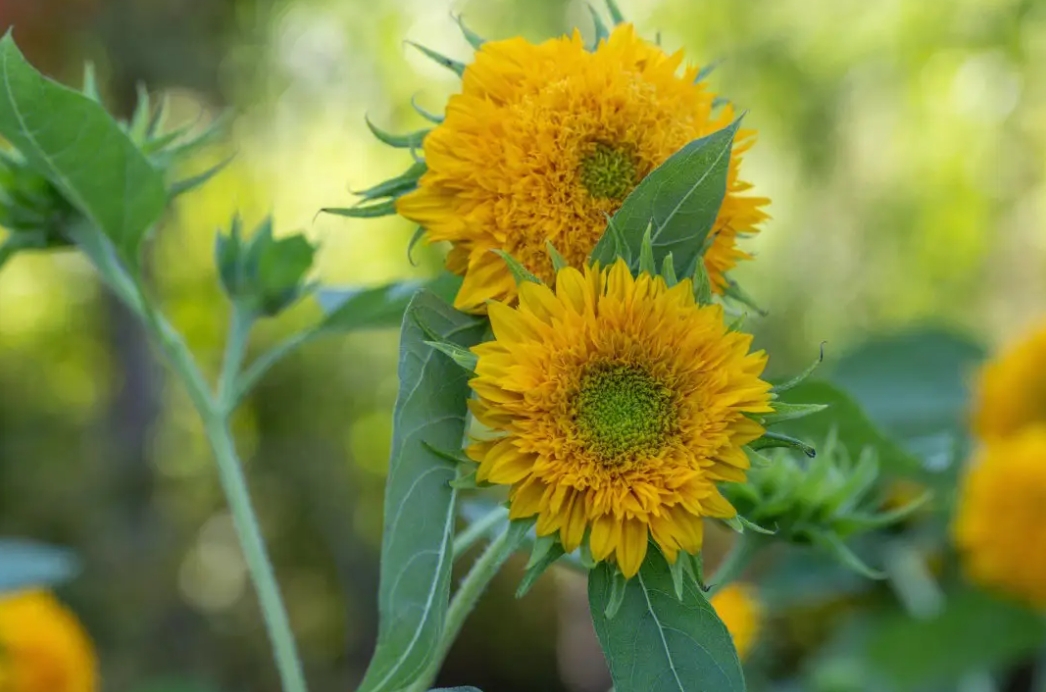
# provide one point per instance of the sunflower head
(742, 613)
(43, 648)
(614, 405)
(545, 141)
(998, 525)
(1011, 392)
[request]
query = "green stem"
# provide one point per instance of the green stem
(464, 601)
(240, 323)
(258, 368)
(736, 561)
(478, 529)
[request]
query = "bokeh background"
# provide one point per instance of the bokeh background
(902, 143)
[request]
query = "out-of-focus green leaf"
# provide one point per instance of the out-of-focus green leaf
(25, 564)
(78, 146)
(416, 554)
(974, 631)
(681, 198)
(654, 642)
(378, 307)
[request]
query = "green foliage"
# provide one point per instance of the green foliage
(657, 643)
(263, 275)
(25, 564)
(31, 207)
(350, 309)
(680, 199)
(73, 141)
(454, 66)
(416, 556)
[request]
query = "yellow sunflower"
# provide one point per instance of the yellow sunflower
(740, 610)
(544, 141)
(43, 648)
(1012, 388)
(616, 404)
(998, 526)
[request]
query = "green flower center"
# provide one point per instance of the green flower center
(622, 411)
(608, 172)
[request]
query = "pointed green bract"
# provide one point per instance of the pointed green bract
(558, 263)
(601, 31)
(680, 199)
(519, 272)
(798, 379)
(474, 39)
(433, 118)
(770, 440)
(784, 412)
(398, 186)
(451, 64)
(615, 12)
(369, 211)
(416, 555)
(412, 140)
(465, 358)
(654, 642)
(76, 144)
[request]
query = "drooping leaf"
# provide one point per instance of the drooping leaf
(81, 149)
(26, 564)
(681, 198)
(655, 643)
(417, 554)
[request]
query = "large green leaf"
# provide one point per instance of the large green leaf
(655, 643)
(75, 143)
(350, 309)
(974, 631)
(416, 554)
(913, 384)
(679, 201)
(25, 564)
(854, 429)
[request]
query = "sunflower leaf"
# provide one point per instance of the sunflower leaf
(654, 642)
(71, 140)
(351, 309)
(416, 554)
(455, 66)
(519, 272)
(681, 198)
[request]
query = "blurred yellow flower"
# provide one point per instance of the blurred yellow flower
(616, 403)
(1011, 391)
(999, 525)
(547, 140)
(43, 647)
(740, 610)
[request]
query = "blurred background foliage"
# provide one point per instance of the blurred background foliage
(902, 144)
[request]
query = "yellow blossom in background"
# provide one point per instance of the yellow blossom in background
(616, 405)
(740, 610)
(999, 527)
(43, 647)
(1011, 392)
(545, 141)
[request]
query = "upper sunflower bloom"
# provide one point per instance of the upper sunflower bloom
(616, 404)
(1012, 388)
(43, 648)
(545, 141)
(998, 526)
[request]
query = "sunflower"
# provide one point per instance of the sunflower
(615, 405)
(1012, 388)
(43, 648)
(545, 141)
(998, 526)
(740, 610)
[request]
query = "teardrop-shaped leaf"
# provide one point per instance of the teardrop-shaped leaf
(416, 552)
(76, 144)
(681, 198)
(349, 309)
(26, 564)
(655, 643)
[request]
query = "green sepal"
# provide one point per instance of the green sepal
(707, 70)
(466, 482)
(180, 187)
(457, 67)
(419, 233)
(668, 271)
(585, 556)
(772, 439)
(834, 545)
(519, 272)
(620, 243)
(558, 263)
(702, 284)
(679, 570)
(784, 411)
(615, 12)
(90, 86)
(433, 118)
(733, 290)
(395, 187)
(798, 379)
(737, 324)
(617, 593)
(410, 140)
(474, 39)
(719, 101)
(867, 522)
(547, 550)
(601, 32)
(369, 211)
(757, 459)
(860, 479)
(646, 254)
(460, 355)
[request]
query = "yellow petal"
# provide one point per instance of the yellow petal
(632, 548)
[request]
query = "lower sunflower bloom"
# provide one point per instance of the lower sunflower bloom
(1012, 388)
(740, 610)
(43, 648)
(998, 526)
(546, 140)
(615, 406)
